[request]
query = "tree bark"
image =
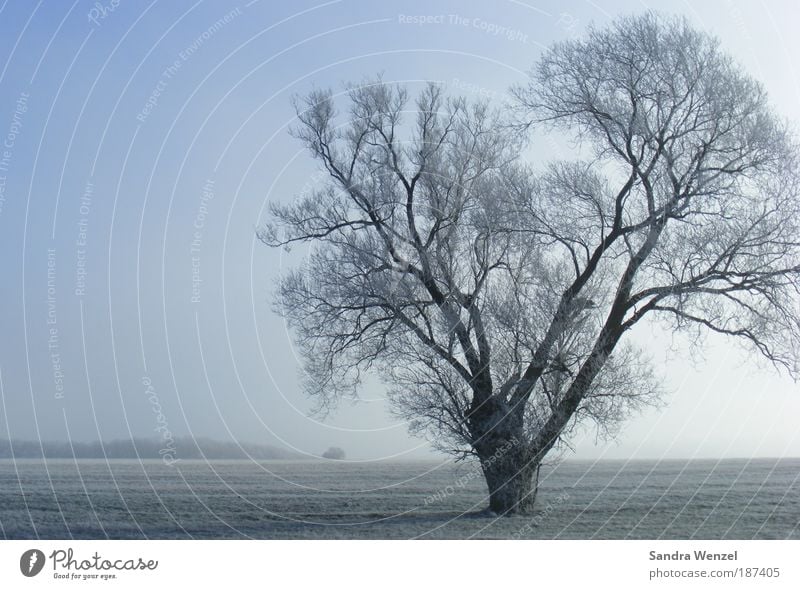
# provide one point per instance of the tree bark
(512, 477)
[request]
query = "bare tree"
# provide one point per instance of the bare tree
(494, 300)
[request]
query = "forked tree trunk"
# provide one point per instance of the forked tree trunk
(512, 477)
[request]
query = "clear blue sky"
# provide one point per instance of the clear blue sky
(134, 129)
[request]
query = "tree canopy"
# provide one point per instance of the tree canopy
(493, 295)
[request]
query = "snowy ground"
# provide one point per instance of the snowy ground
(316, 499)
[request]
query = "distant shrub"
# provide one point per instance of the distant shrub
(334, 453)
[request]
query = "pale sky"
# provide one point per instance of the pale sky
(142, 145)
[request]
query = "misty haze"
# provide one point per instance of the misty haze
(354, 270)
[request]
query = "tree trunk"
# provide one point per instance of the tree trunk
(509, 465)
(512, 477)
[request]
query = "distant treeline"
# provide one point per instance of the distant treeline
(183, 448)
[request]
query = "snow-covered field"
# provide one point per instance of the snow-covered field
(316, 499)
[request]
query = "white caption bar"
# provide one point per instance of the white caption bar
(401, 564)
